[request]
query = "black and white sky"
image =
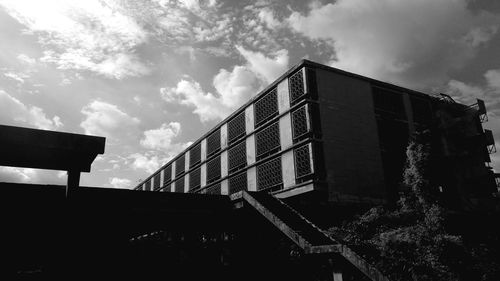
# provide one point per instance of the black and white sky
(151, 76)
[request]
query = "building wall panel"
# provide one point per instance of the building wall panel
(352, 156)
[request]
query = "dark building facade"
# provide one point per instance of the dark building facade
(319, 130)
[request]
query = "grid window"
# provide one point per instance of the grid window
(180, 165)
(214, 189)
(213, 142)
(194, 179)
(266, 107)
(236, 127)
(269, 174)
(302, 161)
(238, 182)
(179, 185)
(157, 181)
(267, 140)
(213, 169)
(167, 174)
(300, 122)
(195, 155)
(296, 86)
(237, 157)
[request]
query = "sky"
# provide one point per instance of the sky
(152, 76)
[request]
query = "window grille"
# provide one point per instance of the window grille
(237, 157)
(167, 174)
(302, 157)
(267, 140)
(238, 182)
(300, 122)
(148, 185)
(179, 185)
(236, 127)
(296, 86)
(214, 189)
(194, 179)
(213, 142)
(180, 165)
(213, 169)
(166, 188)
(266, 107)
(195, 155)
(269, 174)
(157, 181)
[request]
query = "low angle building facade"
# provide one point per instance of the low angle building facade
(341, 136)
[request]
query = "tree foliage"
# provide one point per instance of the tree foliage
(410, 240)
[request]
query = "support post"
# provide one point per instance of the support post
(73, 181)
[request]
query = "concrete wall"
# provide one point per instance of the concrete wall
(352, 157)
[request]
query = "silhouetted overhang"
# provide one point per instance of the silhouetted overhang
(32, 148)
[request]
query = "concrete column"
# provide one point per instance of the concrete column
(186, 161)
(72, 182)
(288, 169)
(172, 187)
(203, 150)
(186, 183)
(144, 186)
(283, 96)
(223, 164)
(337, 276)
(249, 119)
(252, 179)
(173, 170)
(250, 149)
(152, 182)
(224, 187)
(285, 131)
(162, 177)
(203, 175)
(223, 136)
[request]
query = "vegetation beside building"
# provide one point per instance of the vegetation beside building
(419, 238)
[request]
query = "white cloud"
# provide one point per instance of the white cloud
(83, 35)
(19, 77)
(267, 68)
(148, 162)
(161, 138)
(410, 42)
(234, 88)
(493, 79)
(28, 175)
(266, 15)
(107, 120)
(120, 183)
(14, 111)
(213, 31)
(489, 91)
(25, 59)
(464, 92)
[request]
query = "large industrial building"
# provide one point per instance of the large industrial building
(336, 135)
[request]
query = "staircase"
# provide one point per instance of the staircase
(306, 235)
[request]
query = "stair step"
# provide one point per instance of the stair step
(302, 227)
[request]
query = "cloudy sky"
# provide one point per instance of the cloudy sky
(151, 76)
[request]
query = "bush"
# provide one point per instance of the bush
(409, 241)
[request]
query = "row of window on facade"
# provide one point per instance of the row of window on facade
(267, 138)
(268, 175)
